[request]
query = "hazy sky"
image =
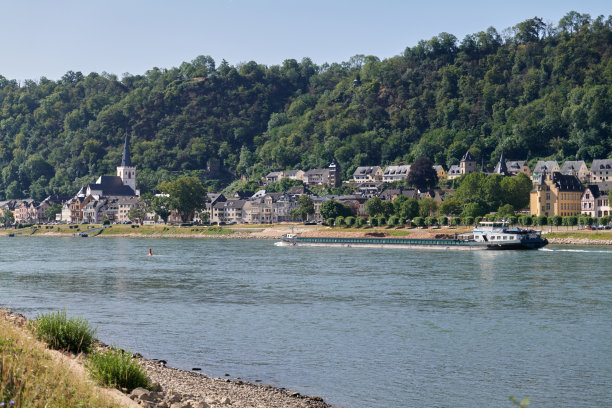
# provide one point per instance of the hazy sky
(48, 38)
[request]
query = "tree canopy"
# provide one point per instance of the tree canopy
(538, 90)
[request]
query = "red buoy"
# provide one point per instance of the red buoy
(150, 252)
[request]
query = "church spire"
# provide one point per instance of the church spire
(126, 161)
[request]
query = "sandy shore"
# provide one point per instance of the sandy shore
(174, 388)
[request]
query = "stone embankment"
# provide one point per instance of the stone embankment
(183, 389)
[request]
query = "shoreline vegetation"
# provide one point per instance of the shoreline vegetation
(37, 376)
(555, 235)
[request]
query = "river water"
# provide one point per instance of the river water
(358, 327)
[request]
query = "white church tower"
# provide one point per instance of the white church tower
(126, 171)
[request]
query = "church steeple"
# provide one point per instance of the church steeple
(126, 171)
(126, 161)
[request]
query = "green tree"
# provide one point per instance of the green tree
(52, 211)
(427, 207)
(187, 194)
(374, 207)
(7, 218)
(450, 206)
(332, 209)
(304, 209)
(422, 174)
(162, 207)
(409, 209)
(136, 215)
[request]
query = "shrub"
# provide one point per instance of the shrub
(339, 221)
(373, 221)
(468, 220)
(361, 221)
(418, 221)
(63, 333)
(382, 221)
(331, 221)
(393, 221)
(350, 221)
(117, 368)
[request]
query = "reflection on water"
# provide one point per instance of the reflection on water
(359, 327)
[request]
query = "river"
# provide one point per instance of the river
(358, 327)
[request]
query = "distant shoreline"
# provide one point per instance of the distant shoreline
(563, 236)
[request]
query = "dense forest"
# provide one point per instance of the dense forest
(535, 90)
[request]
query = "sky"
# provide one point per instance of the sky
(42, 38)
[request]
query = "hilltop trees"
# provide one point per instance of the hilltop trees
(538, 90)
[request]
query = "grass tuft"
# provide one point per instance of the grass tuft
(117, 368)
(63, 333)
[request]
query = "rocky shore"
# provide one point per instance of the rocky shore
(174, 388)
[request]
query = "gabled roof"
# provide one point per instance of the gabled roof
(365, 170)
(454, 169)
(515, 165)
(111, 186)
(566, 182)
(598, 165)
(572, 166)
(403, 169)
(594, 189)
(546, 167)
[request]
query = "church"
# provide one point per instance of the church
(110, 197)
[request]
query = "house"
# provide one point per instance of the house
(453, 172)
(440, 171)
(367, 174)
(391, 194)
(601, 170)
(316, 177)
(294, 174)
(516, 167)
(545, 167)
(467, 165)
(595, 202)
(124, 205)
(228, 211)
(355, 202)
(274, 176)
(369, 189)
(555, 194)
(576, 168)
(395, 173)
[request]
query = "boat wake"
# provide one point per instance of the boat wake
(596, 251)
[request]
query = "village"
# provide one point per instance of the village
(567, 190)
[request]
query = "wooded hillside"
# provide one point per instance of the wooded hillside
(533, 91)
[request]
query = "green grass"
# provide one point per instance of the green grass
(63, 333)
(30, 377)
(592, 235)
(117, 368)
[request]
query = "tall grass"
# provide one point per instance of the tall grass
(30, 377)
(117, 368)
(63, 333)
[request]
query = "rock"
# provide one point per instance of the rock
(295, 395)
(137, 393)
(226, 401)
(173, 397)
(196, 369)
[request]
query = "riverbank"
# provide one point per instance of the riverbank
(173, 388)
(555, 235)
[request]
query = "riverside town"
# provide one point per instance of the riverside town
(569, 194)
